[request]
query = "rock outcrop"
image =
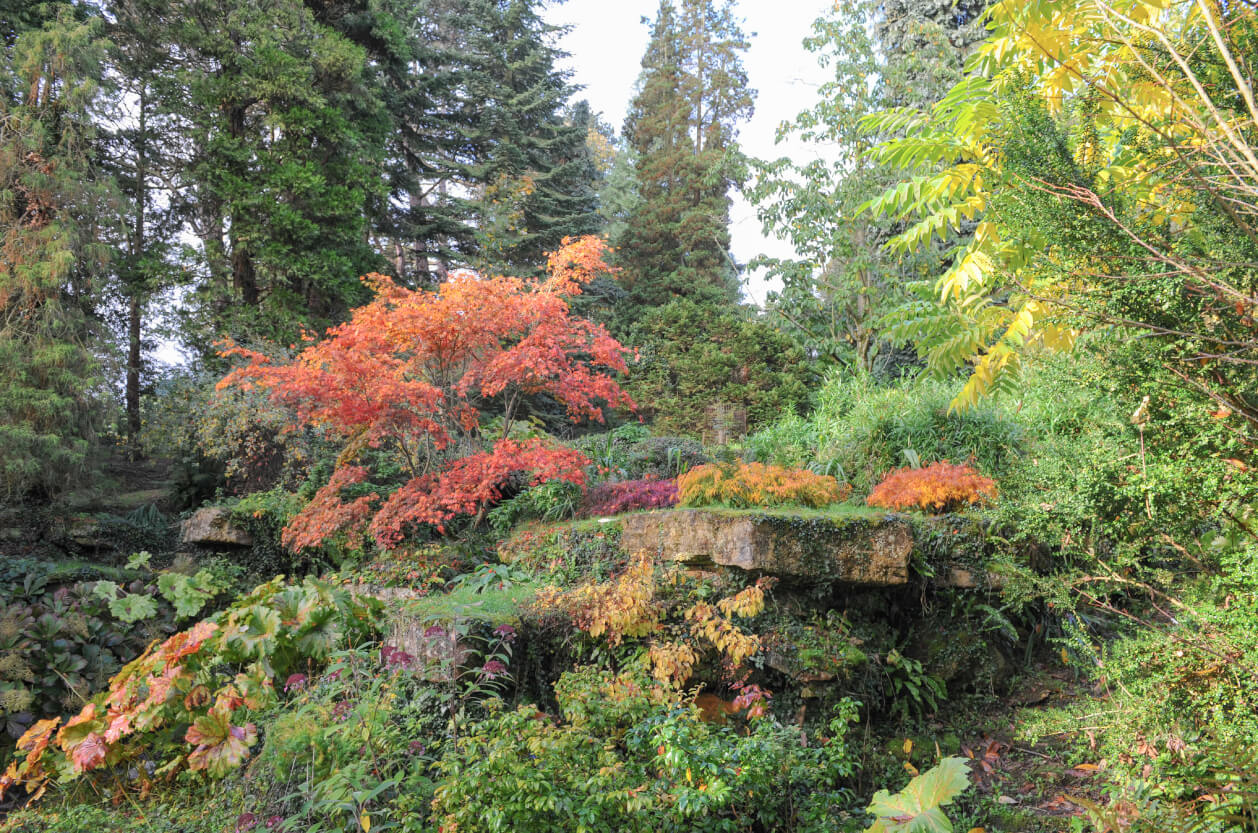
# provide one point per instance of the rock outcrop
(809, 548)
(212, 526)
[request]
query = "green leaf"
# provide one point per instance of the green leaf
(184, 592)
(133, 607)
(139, 560)
(915, 809)
(105, 590)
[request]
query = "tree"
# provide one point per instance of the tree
(842, 281)
(536, 180)
(137, 154)
(53, 200)
(682, 127)
(1143, 149)
(284, 137)
(412, 373)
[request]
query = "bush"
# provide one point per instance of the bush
(614, 498)
(695, 357)
(860, 430)
(939, 487)
(756, 484)
(64, 631)
(185, 702)
(555, 500)
(635, 762)
(665, 457)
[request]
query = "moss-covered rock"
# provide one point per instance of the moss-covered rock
(863, 550)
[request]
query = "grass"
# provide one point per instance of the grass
(494, 605)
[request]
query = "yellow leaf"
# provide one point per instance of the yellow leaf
(365, 821)
(908, 746)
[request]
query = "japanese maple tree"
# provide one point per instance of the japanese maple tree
(413, 371)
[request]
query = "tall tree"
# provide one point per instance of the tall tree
(53, 201)
(682, 126)
(842, 280)
(137, 153)
(536, 180)
(285, 142)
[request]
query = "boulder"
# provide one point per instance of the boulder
(212, 526)
(811, 548)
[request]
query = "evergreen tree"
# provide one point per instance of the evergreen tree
(53, 201)
(535, 178)
(285, 143)
(692, 93)
(137, 154)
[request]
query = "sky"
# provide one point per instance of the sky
(606, 43)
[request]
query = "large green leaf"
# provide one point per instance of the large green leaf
(915, 809)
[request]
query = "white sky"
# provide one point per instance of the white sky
(606, 45)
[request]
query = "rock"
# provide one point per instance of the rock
(212, 526)
(851, 551)
(85, 531)
(961, 577)
(964, 578)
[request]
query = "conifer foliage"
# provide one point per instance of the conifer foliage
(692, 93)
(410, 373)
(52, 202)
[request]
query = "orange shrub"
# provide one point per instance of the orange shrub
(940, 487)
(756, 484)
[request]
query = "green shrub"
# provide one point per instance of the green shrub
(860, 430)
(66, 629)
(695, 357)
(554, 500)
(624, 761)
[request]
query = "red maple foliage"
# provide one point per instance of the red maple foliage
(939, 487)
(411, 371)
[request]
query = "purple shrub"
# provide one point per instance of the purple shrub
(614, 498)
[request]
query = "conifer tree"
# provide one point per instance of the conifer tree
(284, 139)
(682, 126)
(53, 201)
(535, 178)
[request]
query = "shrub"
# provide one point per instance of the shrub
(614, 498)
(757, 484)
(185, 702)
(940, 487)
(625, 759)
(63, 636)
(384, 380)
(665, 457)
(554, 500)
(694, 357)
(860, 429)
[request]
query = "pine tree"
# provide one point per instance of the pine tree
(682, 126)
(53, 201)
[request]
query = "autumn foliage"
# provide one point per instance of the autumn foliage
(412, 372)
(198, 686)
(626, 496)
(756, 484)
(939, 487)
